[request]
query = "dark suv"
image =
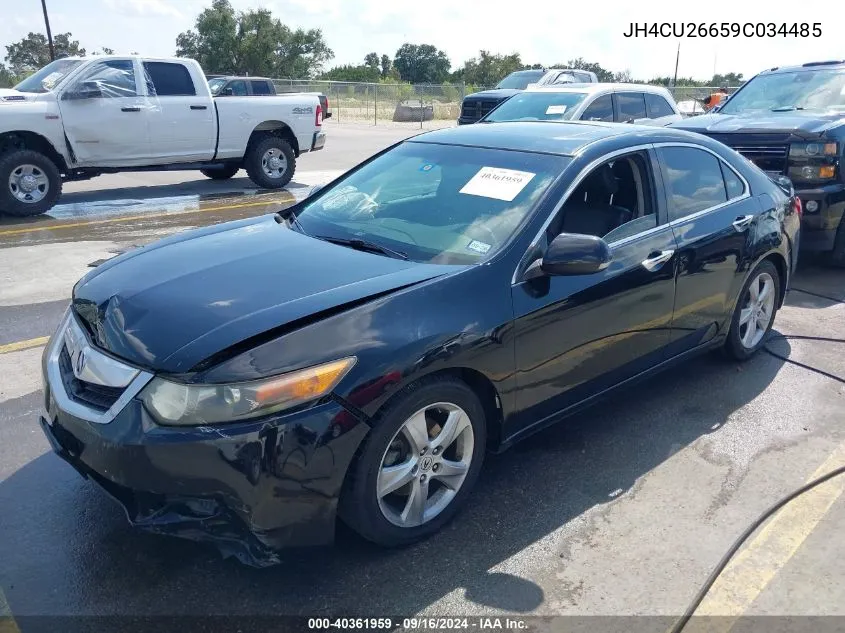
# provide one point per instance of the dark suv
(478, 104)
(791, 122)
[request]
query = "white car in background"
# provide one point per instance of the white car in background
(623, 103)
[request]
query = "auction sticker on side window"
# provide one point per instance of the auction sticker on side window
(556, 109)
(494, 182)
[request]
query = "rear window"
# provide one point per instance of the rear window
(261, 88)
(538, 106)
(165, 79)
(631, 105)
(657, 106)
(520, 79)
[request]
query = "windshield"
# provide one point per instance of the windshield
(215, 85)
(538, 106)
(46, 78)
(439, 204)
(802, 90)
(520, 79)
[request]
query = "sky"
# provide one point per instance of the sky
(547, 32)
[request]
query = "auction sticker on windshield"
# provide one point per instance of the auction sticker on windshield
(556, 109)
(478, 247)
(494, 182)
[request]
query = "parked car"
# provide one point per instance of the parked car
(451, 295)
(789, 122)
(478, 104)
(234, 86)
(624, 103)
(691, 107)
(80, 117)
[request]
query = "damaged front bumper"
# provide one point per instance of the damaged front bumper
(250, 488)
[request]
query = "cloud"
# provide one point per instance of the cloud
(144, 7)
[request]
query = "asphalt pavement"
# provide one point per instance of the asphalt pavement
(621, 511)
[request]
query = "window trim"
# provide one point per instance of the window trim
(746, 192)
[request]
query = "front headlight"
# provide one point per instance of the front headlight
(177, 404)
(809, 150)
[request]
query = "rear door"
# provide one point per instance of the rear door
(713, 217)
(630, 107)
(182, 124)
(110, 128)
(659, 110)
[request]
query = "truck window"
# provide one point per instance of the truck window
(599, 110)
(657, 106)
(238, 88)
(261, 88)
(115, 77)
(631, 105)
(165, 79)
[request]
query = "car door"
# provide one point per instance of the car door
(576, 336)
(659, 110)
(630, 107)
(712, 215)
(182, 124)
(105, 117)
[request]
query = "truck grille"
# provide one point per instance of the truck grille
(99, 397)
(476, 108)
(769, 156)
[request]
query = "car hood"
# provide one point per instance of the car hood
(801, 124)
(170, 305)
(493, 95)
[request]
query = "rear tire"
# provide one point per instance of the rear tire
(30, 183)
(377, 503)
(755, 312)
(224, 173)
(270, 162)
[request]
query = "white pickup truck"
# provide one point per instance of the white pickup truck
(79, 117)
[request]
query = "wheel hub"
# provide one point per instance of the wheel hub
(274, 163)
(27, 183)
(426, 463)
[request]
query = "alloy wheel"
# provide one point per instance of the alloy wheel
(757, 310)
(28, 184)
(274, 163)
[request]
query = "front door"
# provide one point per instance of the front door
(579, 335)
(105, 116)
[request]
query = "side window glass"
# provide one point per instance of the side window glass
(614, 201)
(657, 106)
(115, 78)
(599, 110)
(733, 184)
(693, 180)
(261, 88)
(238, 88)
(631, 105)
(166, 79)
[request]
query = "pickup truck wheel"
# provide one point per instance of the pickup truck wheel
(270, 162)
(224, 173)
(30, 183)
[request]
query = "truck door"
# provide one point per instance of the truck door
(105, 116)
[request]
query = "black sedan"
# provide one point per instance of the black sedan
(356, 355)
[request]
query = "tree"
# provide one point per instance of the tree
(348, 72)
(33, 52)
(728, 80)
(488, 69)
(386, 66)
(579, 63)
(623, 76)
(105, 51)
(252, 42)
(7, 79)
(421, 63)
(372, 61)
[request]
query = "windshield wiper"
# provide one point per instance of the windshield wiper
(290, 217)
(363, 245)
(789, 108)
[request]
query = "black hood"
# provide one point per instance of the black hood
(174, 303)
(499, 94)
(801, 124)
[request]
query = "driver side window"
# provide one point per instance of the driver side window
(614, 201)
(115, 78)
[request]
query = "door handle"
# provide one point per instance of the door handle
(657, 259)
(199, 107)
(743, 222)
(131, 109)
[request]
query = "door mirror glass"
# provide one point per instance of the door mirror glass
(85, 90)
(576, 254)
(227, 92)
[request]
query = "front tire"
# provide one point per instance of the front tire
(30, 183)
(270, 162)
(418, 465)
(755, 312)
(224, 173)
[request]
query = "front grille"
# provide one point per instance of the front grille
(768, 155)
(476, 108)
(99, 397)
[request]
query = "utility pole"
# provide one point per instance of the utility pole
(677, 59)
(49, 33)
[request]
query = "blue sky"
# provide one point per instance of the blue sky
(545, 32)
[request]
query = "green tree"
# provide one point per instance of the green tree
(488, 69)
(33, 52)
(348, 72)
(252, 42)
(386, 66)
(421, 63)
(727, 80)
(7, 79)
(104, 51)
(372, 61)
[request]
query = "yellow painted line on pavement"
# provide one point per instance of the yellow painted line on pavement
(129, 218)
(755, 566)
(7, 621)
(20, 345)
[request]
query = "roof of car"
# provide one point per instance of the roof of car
(564, 138)
(596, 87)
(835, 64)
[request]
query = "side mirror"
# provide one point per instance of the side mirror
(575, 254)
(227, 92)
(85, 90)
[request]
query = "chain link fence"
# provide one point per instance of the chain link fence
(420, 105)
